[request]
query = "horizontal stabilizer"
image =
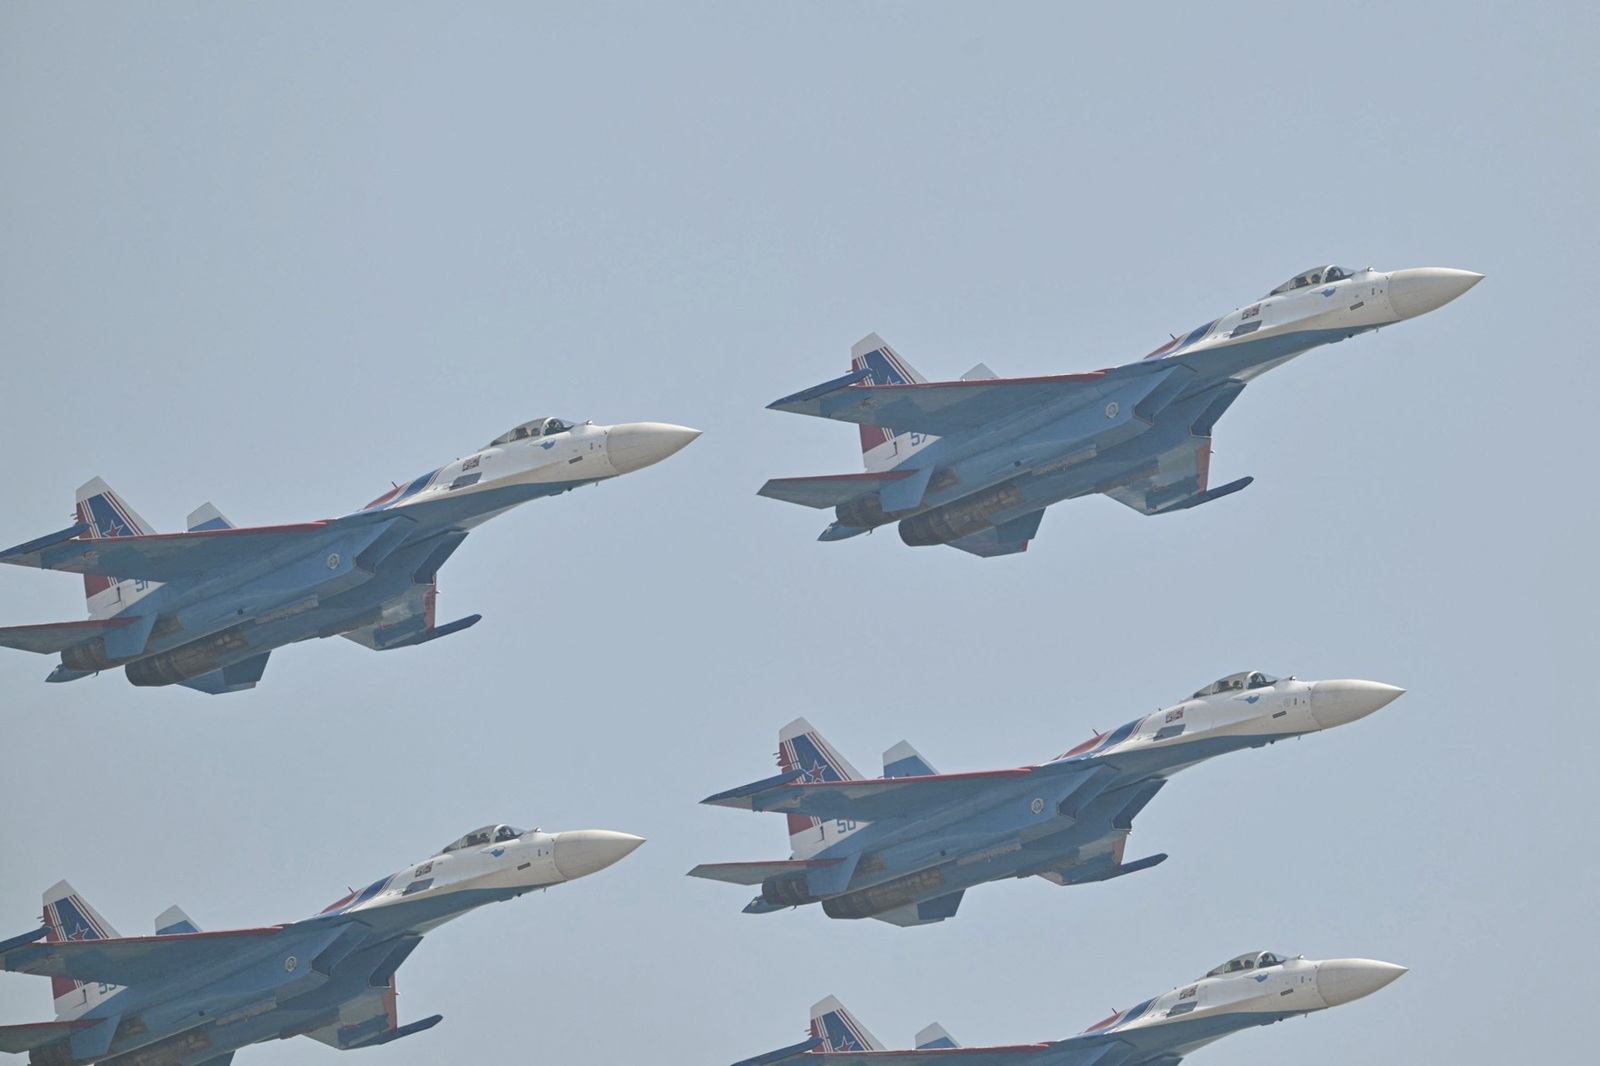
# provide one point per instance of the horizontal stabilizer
(753, 873)
(830, 490)
(739, 797)
(22, 551)
(26, 938)
(19, 1039)
(52, 637)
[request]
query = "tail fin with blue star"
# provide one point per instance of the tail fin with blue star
(801, 747)
(68, 917)
(108, 515)
(839, 1030)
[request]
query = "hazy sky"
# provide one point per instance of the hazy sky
(276, 256)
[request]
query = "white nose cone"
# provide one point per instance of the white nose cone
(636, 445)
(1423, 289)
(1335, 703)
(1342, 980)
(581, 852)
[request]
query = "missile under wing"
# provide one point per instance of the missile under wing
(973, 463)
(904, 847)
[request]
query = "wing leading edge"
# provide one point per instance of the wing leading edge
(864, 800)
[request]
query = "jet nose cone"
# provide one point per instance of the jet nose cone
(1338, 702)
(581, 852)
(1423, 289)
(1342, 980)
(636, 445)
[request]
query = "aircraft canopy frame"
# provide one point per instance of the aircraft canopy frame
(483, 836)
(538, 427)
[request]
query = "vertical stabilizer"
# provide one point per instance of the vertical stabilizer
(68, 917)
(903, 760)
(206, 517)
(108, 515)
(801, 747)
(173, 920)
(934, 1037)
(883, 448)
(838, 1029)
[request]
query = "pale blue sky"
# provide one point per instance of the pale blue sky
(277, 256)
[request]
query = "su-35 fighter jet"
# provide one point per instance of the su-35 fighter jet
(1254, 989)
(205, 608)
(188, 998)
(903, 848)
(973, 463)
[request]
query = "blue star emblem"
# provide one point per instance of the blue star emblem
(816, 774)
(80, 933)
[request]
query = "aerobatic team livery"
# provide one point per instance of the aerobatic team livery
(973, 463)
(205, 608)
(903, 848)
(1257, 988)
(189, 998)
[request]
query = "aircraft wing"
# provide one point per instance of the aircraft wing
(133, 960)
(944, 407)
(18, 1039)
(866, 801)
(161, 556)
(52, 637)
(829, 490)
(753, 873)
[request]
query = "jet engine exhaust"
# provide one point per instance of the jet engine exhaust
(866, 902)
(189, 661)
(786, 892)
(960, 518)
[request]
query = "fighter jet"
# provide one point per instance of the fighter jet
(205, 608)
(1257, 988)
(904, 847)
(973, 463)
(191, 997)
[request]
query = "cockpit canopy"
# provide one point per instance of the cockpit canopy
(1314, 276)
(1237, 683)
(539, 427)
(1251, 960)
(482, 838)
